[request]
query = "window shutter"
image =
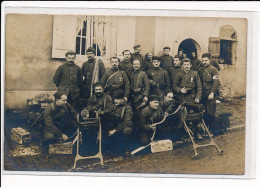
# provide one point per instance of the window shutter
(64, 35)
(214, 46)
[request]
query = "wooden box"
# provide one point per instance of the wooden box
(21, 136)
(61, 148)
(161, 146)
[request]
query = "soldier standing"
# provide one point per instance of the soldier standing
(181, 54)
(166, 59)
(139, 84)
(195, 62)
(175, 69)
(210, 84)
(137, 55)
(148, 61)
(115, 79)
(159, 78)
(68, 79)
(92, 70)
(126, 64)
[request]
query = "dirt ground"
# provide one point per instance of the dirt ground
(178, 161)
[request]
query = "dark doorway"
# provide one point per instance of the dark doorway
(189, 46)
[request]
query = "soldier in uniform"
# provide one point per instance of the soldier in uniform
(137, 55)
(214, 63)
(175, 69)
(126, 64)
(68, 79)
(166, 59)
(181, 54)
(115, 79)
(120, 127)
(187, 84)
(210, 84)
(159, 78)
(148, 62)
(60, 120)
(92, 70)
(139, 84)
(195, 62)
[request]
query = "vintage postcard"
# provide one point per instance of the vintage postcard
(138, 94)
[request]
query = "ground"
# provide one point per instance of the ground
(178, 161)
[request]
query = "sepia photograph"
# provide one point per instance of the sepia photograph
(127, 94)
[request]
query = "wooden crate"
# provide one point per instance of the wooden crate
(161, 146)
(61, 148)
(20, 136)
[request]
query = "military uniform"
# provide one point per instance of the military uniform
(139, 57)
(159, 80)
(166, 62)
(148, 116)
(173, 72)
(68, 79)
(140, 87)
(114, 80)
(195, 63)
(59, 120)
(147, 65)
(88, 72)
(210, 83)
(126, 66)
(191, 82)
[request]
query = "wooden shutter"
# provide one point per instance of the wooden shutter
(214, 46)
(64, 35)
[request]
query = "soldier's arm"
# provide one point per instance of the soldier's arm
(49, 122)
(216, 82)
(127, 85)
(109, 105)
(146, 85)
(56, 77)
(176, 84)
(143, 119)
(199, 87)
(127, 122)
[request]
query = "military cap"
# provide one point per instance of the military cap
(98, 84)
(70, 53)
(126, 51)
(154, 98)
(118, 94)
(166, 47)
(156, 58)
(137, 46)
(186, 60)
(91, 49)
(208, 55)
(58, 95)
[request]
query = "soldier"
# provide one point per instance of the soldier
(167, 101)
(60, 120)
(92, 70)
(68, 79)
(139, 84)
(148, 61)
(98, 102)
(210, 84)
(187, 84)
(137, 55)
(195, 62)
(166, 59)
(120, 125)
(214, 63)
(126, 64)
(188, 87)
(175, 69)
(159, 78)
(181, 54)
(116, 79)
(150, 115)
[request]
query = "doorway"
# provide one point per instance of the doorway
(189, 45)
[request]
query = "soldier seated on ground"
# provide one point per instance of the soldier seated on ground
(60, 120)
(118, 131)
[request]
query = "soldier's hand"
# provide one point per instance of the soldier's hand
(65, 137)
(145, 99)
(183, 90)
(112, 132)
(84, 114)
(197, 100)
(211, 96)
(125, 99)
(153, 127)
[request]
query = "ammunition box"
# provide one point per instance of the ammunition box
(20, 136)
(161, 146)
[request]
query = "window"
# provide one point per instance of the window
(225, 52)
(91, 32)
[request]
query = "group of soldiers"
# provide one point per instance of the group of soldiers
(131, 96)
